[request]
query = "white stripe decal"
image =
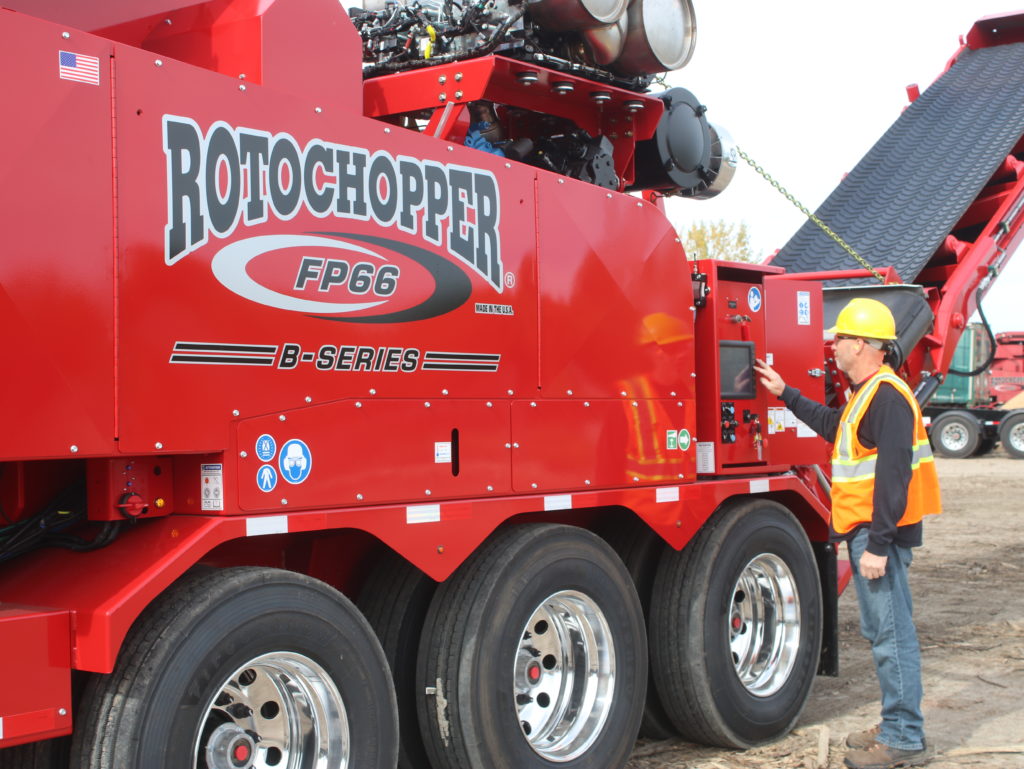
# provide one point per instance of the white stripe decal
(558, 502)
(422, 513)
(667, 494)
(759, 486)
(269, 524)
(1, 728)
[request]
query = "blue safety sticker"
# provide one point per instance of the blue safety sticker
(754, 299)
(295, 461)
(266, 447)
(266, 478)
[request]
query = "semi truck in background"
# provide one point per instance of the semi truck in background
(362, 407)
(980, 404)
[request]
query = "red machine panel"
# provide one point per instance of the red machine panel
(130, 488)
(730, 335)
(57, 269)
(389, 262)
(794, 346)
(35, 700)
(613, 277)
(373, 450)
(601, 443)
(1006, 376)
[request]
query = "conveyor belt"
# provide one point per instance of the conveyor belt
(906, 195)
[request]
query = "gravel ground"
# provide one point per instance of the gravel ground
(969, 608)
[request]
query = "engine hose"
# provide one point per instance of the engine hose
(991, 342)
(484, 48)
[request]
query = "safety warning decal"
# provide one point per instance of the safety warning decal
(803, 308)
(754, 299)
(266, 478)
(266, 447)
(705, 457)
(212, 483)
(442, 452)
(295, 461)
(677, 439)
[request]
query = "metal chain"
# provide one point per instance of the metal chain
(824, 227)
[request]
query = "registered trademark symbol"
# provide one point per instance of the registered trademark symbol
(510, 280)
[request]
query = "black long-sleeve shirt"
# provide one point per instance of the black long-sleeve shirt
(888, 425)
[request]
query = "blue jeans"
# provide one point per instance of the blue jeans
(887, 621)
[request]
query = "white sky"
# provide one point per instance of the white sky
(806, 87)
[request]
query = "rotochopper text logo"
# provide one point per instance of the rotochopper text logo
(239, 175)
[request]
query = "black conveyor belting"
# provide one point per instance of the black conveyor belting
(908, 192)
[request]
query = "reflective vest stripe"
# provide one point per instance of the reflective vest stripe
(844, 471)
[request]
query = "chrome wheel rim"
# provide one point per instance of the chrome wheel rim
(953, 437)
(764, 625)
(1016, 437)
(278, 711)
(564, 677)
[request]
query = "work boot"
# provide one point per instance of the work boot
(864, 739)
(880, 756)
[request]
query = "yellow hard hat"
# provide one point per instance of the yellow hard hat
(866, 318)
(663, 328)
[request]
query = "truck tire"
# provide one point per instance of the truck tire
(48, 754)
(243, 667)
(395, 600)
(535, 656)
(736, 623)
(955, 434)
(640, 550)
(985, 446)
(1011, 434)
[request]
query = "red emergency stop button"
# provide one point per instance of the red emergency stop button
(131, 505)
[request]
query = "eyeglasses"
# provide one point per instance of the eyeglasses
(840, 337)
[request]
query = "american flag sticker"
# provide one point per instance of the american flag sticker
(79, 67)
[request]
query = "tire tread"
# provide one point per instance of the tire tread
(113, 710)
(682, 590)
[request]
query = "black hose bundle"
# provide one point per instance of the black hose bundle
(49, 527)
(485, 47)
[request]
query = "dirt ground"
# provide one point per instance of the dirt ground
(969, 607)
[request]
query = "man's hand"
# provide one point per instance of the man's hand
(772, 382)
(872, 566)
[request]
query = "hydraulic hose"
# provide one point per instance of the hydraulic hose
(991, 342)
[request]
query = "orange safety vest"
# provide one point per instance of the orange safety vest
(853, 465)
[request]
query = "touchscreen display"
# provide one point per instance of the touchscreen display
(736, 367)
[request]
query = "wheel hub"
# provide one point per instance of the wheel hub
(954, 437)
(1016, 436)
(764, 625)
(564, 677)
(230, 747)
(278, 710)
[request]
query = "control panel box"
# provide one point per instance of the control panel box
(747, 312)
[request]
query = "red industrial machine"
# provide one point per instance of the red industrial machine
(978, 406)
(1006, 375)
(356, 412)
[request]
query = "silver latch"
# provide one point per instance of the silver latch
(815, 372)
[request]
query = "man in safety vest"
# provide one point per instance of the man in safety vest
(883, 483)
